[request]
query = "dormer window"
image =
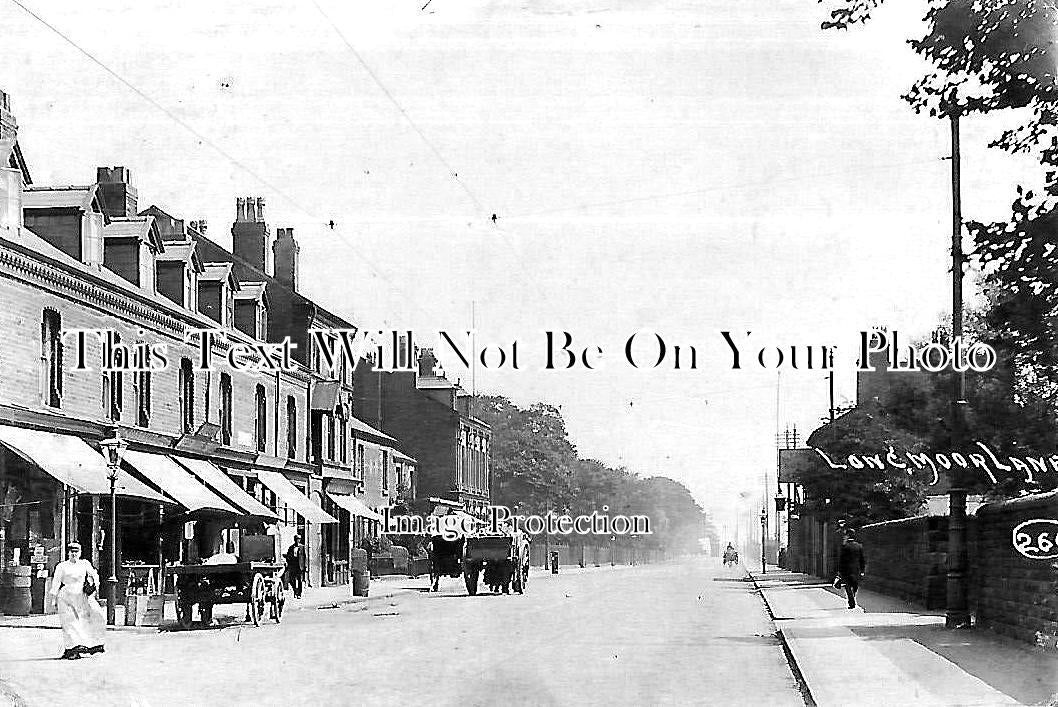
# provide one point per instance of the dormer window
(177, 270)
(70, 218)
(217, 288)
(251, 310)
(130, 246)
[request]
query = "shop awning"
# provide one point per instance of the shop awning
(355, 506)
(290, 495)
(70, 460)
(225, 487)
(176, 481)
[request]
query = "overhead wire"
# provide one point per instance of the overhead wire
(205, 140)
(518, 267)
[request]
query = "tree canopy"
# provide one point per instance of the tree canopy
(536, 468)
(986, 57)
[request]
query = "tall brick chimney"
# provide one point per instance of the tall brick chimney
(427, 363)
(116, 192)
(285, 251)
(249, 234)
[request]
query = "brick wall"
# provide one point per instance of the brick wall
(1010, 593)
(907, 559)
(1017, 596)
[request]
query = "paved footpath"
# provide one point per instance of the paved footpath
(886, 652)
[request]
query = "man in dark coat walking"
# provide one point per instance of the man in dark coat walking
(296, 565)
(851, 566)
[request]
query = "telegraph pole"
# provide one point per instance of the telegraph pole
(831, 394)
(957, 613)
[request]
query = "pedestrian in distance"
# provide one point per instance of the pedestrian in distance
(297, 563)
(852, 565)
(73, 588)
(730, 555)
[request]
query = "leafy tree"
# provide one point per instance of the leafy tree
(988, 56)
(535, 467)
(869, 495)
(532, 457)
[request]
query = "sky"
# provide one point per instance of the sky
(667, 166)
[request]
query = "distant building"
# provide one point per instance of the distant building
(432, 418)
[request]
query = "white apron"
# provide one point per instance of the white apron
(83, 620)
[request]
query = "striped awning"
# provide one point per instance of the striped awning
(355, 506)
(221, 483)
(178, 482)
(70, 460)
(289, 494)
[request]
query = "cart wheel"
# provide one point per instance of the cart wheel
(257, 599)
(278, 600)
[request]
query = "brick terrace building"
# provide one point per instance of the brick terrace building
(432, 418)
(356, 464)
(85, 257)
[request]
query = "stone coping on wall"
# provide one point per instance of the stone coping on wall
(1036, 500)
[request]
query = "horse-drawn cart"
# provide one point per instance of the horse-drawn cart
(259, 585)
(504, 558)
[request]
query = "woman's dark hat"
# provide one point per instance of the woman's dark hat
(73, 545)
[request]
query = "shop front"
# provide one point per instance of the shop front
(357, 522)
(52, 490)
(298, 515)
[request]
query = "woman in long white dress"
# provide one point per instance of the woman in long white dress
(83, 621)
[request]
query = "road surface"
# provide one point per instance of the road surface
(689, 633)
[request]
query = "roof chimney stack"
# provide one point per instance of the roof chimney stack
(285, 251)
(117, 195)
(250, 237)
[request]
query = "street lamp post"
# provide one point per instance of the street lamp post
(763, 538)
(115, 450)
